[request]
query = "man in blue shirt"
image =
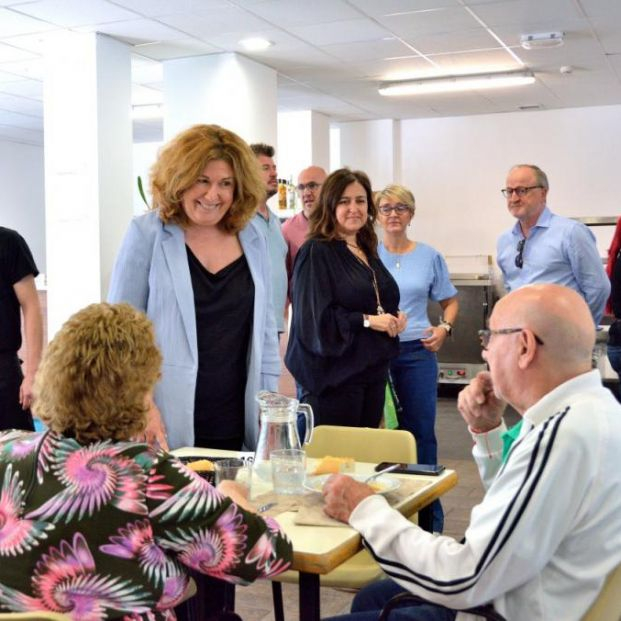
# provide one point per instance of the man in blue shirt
(270, 225)
(545, 248)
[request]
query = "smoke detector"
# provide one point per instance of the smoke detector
(541, 40)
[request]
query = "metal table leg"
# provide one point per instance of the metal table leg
(425, 518)
(309, 597)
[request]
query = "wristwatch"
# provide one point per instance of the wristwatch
(365, 321)
(447, 326)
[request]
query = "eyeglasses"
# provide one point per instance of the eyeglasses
(311, 185)
(386, 210)
(519, 257)
(519, 192)
(486, 335)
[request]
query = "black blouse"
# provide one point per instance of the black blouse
(224, 305)
(328, 345)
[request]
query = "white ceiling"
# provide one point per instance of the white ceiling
(330, 55)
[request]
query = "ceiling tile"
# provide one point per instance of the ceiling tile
(367, 50)
(175, 49)
(25, 121)
(527, 13)
(388, 7)
(35, 42)
(12, 23)
(10, 53)
(302, 13)
(409, 26)
(20, 104)
(31, 68)
(72, 13)
(346, 31)
(155, 8)
(17, 134)
(23, 88)
(204, 24)
(454, 42)
(136, 31)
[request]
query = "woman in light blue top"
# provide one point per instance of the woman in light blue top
(422, 275)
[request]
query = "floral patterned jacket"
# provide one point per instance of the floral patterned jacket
(104, 530)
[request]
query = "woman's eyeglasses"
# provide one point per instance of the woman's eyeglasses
(386, 210)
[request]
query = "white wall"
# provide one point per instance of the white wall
(22, 206)
(456, 167)
(370, 146)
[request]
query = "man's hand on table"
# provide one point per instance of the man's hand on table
(479, 406)
(342, 494)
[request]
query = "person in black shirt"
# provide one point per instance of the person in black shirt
(345, 304)
(17, 292)
(613, 306)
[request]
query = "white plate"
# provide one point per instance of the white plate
(383, 484)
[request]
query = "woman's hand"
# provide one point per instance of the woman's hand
(155, 432)
(386, 323)
(436, 338)
(237, 493)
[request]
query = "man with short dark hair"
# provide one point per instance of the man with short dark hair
(543, 247)
(548, 531)
(18, 293)
(270, 224)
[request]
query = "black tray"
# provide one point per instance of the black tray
(208, 475)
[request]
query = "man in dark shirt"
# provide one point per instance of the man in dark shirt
(17, 291)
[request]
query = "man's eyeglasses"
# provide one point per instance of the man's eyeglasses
(311, 185)
(386, 210)
(519, 192)
(486, 335)
(519, 257)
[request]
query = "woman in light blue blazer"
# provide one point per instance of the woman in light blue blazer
(198, 267)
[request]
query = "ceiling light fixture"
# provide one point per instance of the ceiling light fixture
(255, 44)
(541, 40)
(454, 83)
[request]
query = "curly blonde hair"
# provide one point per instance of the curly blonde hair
(182, 161)
(93, 381)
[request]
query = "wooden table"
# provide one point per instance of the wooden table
(318, 550)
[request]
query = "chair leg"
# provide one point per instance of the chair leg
(279, 612)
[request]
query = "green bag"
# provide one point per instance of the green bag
(392, 407)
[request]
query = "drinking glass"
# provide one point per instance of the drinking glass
(288, 470)
(237, 470)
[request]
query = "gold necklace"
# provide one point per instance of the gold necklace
(380, 309)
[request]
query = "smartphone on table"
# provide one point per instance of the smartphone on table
(428, 469)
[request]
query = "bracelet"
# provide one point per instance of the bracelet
(447, 326)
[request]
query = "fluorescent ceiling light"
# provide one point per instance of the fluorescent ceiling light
(449, 84)
(255, 44)
(147, 111)
(541, 40)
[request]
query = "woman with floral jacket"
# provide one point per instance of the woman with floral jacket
(96, 526)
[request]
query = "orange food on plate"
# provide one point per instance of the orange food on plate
(334, 465)
(201, 465)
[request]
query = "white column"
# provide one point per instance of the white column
(88, 167)
(224, 89)
(303, 140)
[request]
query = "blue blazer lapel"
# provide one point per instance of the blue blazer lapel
(173, 246)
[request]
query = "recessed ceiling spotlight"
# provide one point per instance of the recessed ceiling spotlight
(541, 40)
(255, 44)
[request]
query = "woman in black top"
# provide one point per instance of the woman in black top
(345, 308)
